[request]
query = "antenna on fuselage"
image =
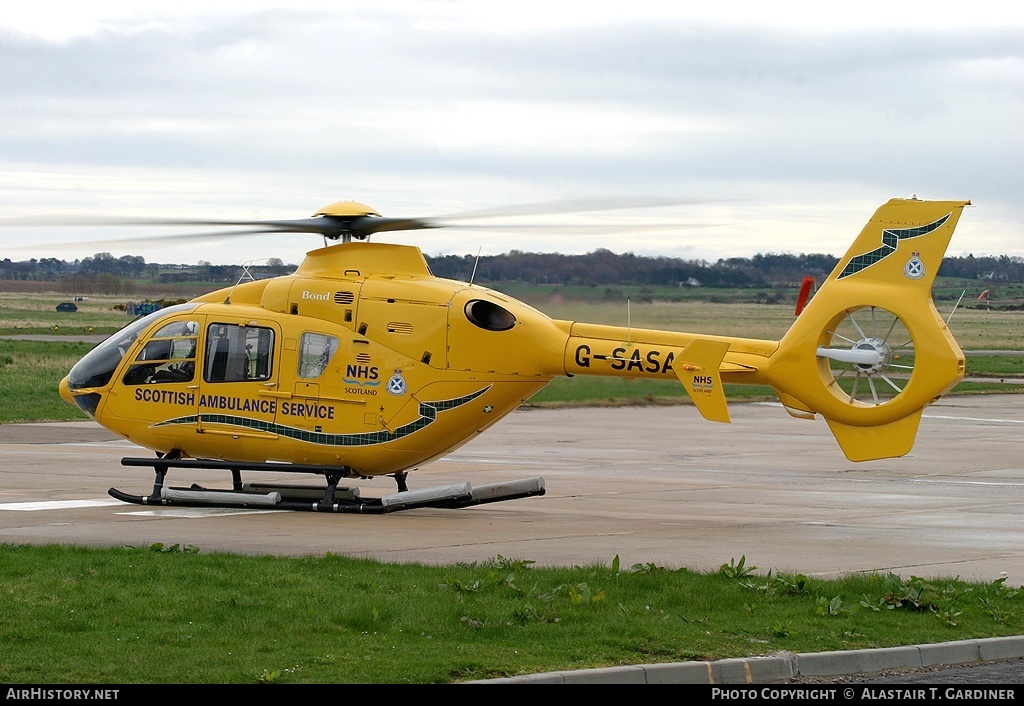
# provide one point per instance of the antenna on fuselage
(629, 323)
(475, 263)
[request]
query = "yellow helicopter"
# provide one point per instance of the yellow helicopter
(362, 363)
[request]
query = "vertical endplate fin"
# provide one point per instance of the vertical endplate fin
(697, 368)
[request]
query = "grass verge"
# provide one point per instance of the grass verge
(30, 372)
(168, 614)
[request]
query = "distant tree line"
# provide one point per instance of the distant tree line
(105, 273)
(605, 268)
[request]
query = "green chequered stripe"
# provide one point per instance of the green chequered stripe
(890, 239)
(428, 414)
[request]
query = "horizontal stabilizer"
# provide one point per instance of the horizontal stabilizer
(697, 368)
(872, 443)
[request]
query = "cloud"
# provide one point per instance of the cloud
(437, 107)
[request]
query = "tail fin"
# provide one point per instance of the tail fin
(870, 351)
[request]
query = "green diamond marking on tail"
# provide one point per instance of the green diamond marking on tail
(890, 239)
(428, 415)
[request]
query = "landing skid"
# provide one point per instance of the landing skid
(331, 498)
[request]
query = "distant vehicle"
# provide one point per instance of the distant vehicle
(67, 306)
(142, 308)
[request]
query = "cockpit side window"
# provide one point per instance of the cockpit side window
(168, 356)
(97, 367)
(236, 353)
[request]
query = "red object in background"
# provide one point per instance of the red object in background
(805, 293)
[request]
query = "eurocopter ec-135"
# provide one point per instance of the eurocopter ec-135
(362, 363)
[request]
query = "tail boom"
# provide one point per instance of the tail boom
(700, 362)
(868, 353)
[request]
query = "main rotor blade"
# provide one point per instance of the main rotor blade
(580, 205)
(148, 241)
(328, 226)
(363, 226)
(580, 228)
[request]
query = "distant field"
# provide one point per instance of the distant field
(36, 313)
(137, 289)
(973, 328)
(30, 372)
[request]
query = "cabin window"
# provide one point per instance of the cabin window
(238, 353)
(168, 356)
(315, 352)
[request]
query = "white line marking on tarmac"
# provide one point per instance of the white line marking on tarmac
(116, 443)
(107, 502)
(193, 512)
(59, 504)
(974, 419)
(934, 416)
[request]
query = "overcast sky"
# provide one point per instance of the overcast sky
(780, 126)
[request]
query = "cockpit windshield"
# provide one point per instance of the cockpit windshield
(99, 364)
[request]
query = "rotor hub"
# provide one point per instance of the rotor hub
(346, 209)
(882, 359)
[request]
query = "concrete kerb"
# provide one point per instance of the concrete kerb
(760, 670)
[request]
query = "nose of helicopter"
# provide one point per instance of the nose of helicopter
(65, 391)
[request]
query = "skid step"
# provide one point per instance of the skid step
(300, 492)
(206, 496)
(509, 490)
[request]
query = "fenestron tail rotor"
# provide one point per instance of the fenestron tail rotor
(871, 356)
